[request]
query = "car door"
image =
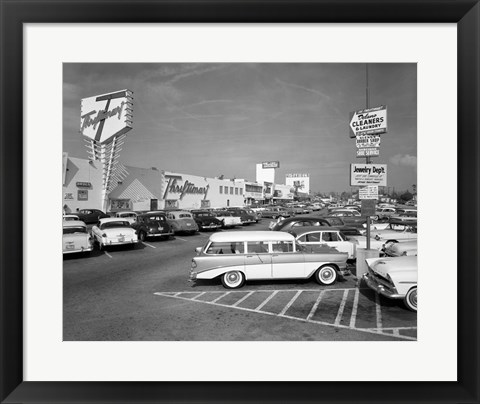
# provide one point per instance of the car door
(258, 260)
(285, 262)
(333, 239)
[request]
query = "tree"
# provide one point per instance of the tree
(406, 196)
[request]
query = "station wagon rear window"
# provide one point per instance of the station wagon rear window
(282, 246)
(257, 247)
(72, 230)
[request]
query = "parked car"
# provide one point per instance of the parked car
(130, 217)
(395, 231)
(400, 249)
(340, 224)
(227, 219)
(89, 216)
(76, 237)
(299, 221)
(404, 216)
(257, 215)
(275, 212)
(351, 217)
(181, 221)
(314, 237)
(114, 231)
(152, 225)
(236, 257)
(395, 278)
(205, 220)
(70, 217)
(384, 213)
(245, 218)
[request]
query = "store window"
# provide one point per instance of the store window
(82, 195)
(205, 204)
(171, 203)
(236, 191)
(119, 204)
(231, 190)
(221, 189)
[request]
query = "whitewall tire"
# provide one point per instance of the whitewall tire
(411, 299)
(233, 279)
(326, 275)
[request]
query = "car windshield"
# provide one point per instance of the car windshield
(73, 230)
(185, 215)
(127, 215)
(111, 225)
(202, 214)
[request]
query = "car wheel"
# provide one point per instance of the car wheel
(326, 275)
(142, 236)
(233, 279)
(411, 299)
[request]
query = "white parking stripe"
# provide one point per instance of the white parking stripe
(243, 298)
(314, 308)
(179, 238)
(342, 307)
(378, 310)
(365, 330)
(290, 303)
(266, 300)
(201, 294)
(107, 254)
(353, 317)
(151, 246)
(219, 297)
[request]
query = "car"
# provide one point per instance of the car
(237, 257)
(404, 216)
(395, 231)
(181, 221)
(395, 278)
(90, 216)
(152, 225)
(275, 212)
(299, 221)
(245, 218)
(70, 217)
(350, 217)
(227, 218)
(257, 215)
(206, 220)
(114, 231)
(130, 217)
(340, 224)
(401, 248)
(384, 213)
(76, 237)
(313, 237)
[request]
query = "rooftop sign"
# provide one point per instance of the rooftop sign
(271, 164)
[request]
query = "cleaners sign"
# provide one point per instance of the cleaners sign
(368, 121)
(368, 174)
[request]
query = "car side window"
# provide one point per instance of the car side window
(282, 247)
(219, 248)
(326, 236)
(258, 247)
(312, 237)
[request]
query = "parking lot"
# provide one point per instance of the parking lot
(145, 294)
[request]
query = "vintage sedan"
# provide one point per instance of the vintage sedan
(182, 221)
(395, 231)
(227, 219)
(395, 278)
(76, 237)
(351, 217)
(401, 249)
(314, 237)
(205, 220)
(275, 212)
(236, 257)
(90, 216)
(130, 217)
(114, 231)
(293, 222)
(152, 225)
(245, 218)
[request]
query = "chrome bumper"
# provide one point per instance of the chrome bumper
(379, 288)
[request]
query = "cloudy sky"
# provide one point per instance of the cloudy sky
(214, 119)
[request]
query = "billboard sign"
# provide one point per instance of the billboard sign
(299, 182)
(368, 192)
(368, 121)
(368, 174)
(106, 115)
(368, 152)
(271, 164)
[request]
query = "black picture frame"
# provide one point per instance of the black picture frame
(464, 13)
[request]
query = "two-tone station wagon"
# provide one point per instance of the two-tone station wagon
(236, 257)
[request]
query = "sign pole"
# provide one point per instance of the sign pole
(368, 160)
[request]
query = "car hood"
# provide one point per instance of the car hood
(397, 267)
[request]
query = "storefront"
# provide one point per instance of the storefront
(253, 193)
(82, 184)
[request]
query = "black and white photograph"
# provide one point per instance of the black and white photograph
(239, 202)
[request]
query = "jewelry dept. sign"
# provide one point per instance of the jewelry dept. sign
(368, 121)
(106, 115)
(368, 174)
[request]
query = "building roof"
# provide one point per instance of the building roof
(139, 183)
